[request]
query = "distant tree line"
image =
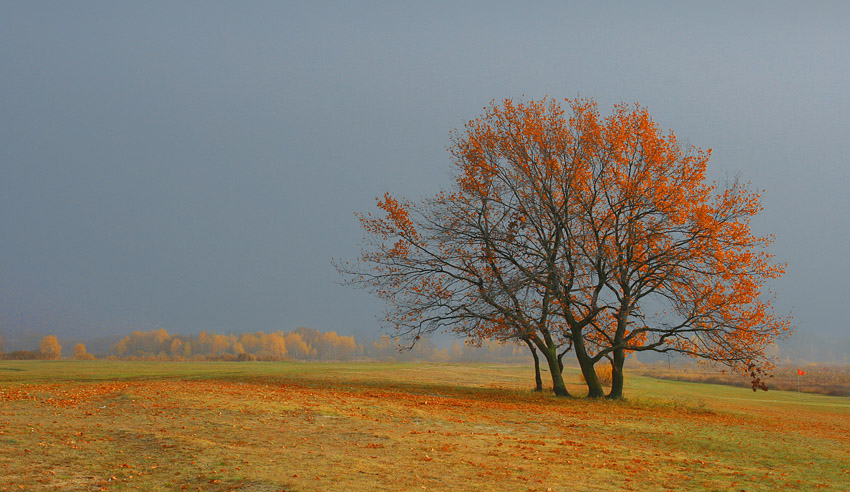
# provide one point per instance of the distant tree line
(301, 344)
(304, 344)
(49, 349)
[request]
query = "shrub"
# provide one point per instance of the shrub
(603, 373)
(23, 355)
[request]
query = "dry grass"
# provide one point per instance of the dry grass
(821, 379)
(350, 427)
(603, 372)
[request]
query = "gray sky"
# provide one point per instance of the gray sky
(196, 165)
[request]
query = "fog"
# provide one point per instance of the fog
(195, 166)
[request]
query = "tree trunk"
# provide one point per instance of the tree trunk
(594, 387)
(619, 355)
(538, 381)
(558, 385)
(550, 352)
(617, 374)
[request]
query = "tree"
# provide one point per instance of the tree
(220, 344)
(1, 345)
(80, 352)
(176, 347)
(538, 381)
(683, 271)
(297, 347)
(204, 342)
(567, 231)
(50, 348)
(276, 346)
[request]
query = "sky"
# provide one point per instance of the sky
(197, 165)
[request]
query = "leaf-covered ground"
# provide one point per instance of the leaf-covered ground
(303, 427)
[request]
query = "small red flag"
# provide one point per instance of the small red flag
(801, 372)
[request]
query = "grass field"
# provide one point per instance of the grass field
(101, 425)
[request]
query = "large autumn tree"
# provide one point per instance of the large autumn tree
(564, 229)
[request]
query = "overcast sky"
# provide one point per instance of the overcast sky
(196, 165)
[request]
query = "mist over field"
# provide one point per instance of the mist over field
(195, 167)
